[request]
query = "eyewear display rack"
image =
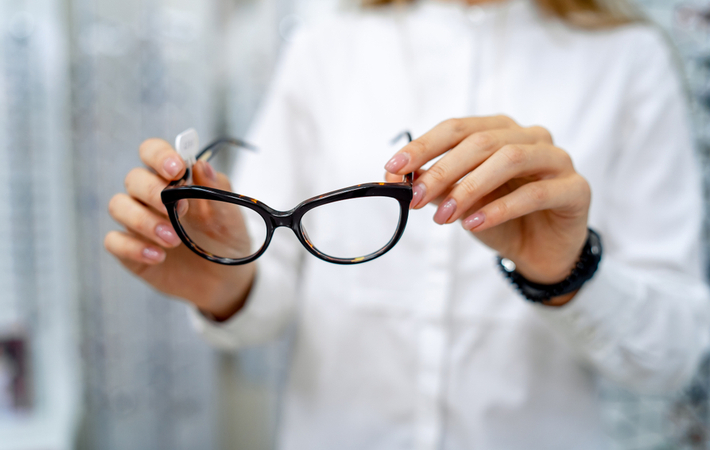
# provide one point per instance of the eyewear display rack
(680, 422)
(39, 365)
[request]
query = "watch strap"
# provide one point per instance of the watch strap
(582, 272)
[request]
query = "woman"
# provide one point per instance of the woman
(569, 117)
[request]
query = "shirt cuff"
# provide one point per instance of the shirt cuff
(594, 319)
(267, 310)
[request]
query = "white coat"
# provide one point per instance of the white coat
(429, 347)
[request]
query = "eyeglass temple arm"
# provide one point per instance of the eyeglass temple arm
(404, 133)
(213, 147)
(408, 178)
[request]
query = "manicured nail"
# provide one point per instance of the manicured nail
(172, 166)
(209, 171)
(445, 211)
(153, 254)
(167, 234)
(474, 221)
(418, 192)
(397, 162)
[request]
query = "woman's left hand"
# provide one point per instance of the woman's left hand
(511, 187)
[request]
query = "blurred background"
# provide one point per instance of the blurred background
(90, 358)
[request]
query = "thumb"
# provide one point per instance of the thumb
(205, 175)
(392, 178)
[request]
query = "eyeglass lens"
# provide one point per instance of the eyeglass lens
(346, 229)
(353, 228)
(222, 229)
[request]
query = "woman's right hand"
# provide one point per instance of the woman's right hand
(150, 248)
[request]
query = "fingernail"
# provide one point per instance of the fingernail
(445, 211)
(397, 162)
(181, 207)
(153, 254)
(167, 234)
(172, 166)
(418, 192)
(209, 171)
(474, 221)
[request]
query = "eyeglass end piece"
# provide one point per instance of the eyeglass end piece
(187, 145)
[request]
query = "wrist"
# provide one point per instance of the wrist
(232, 297)
(548, 273)
(562, 291)
(561, 300)
(554, 269)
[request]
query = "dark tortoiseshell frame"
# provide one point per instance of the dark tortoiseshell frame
(176, 190)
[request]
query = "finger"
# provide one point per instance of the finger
(146, 187)
(568, 195)
(139, 218)
(496, 194)
(508, 163)
(392, 178)
(541, 133)
(161, 157)
(441, 139)
(205, 175)
(133, 251)
(466, 156)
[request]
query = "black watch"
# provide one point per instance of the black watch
(583, 271)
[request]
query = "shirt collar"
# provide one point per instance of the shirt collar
(459, 9)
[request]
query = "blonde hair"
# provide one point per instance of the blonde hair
(589, 14)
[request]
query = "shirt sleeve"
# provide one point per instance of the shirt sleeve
(276, 175)
(643, 320)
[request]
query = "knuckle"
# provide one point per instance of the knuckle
(515, 154)
(566, 157)
(568, 163)
(541, 133)
(537, 193)
(226, 185)
(506, 120)
(437, 173)
(563, 157)
(154, 190)
(153, 143)
(143, 222)
(484, 140)
(114, 205)
(502, 210)
(455, 125)
(109, 240)
(466, 190)
(417, 147)
(131, 177)
(583, 188)
(149, 144)
(151, 147)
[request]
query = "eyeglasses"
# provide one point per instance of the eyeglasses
(352, 225)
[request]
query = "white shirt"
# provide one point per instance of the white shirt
(429, 347)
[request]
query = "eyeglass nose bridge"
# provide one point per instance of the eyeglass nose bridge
(283, 219)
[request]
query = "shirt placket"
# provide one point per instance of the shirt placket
(433, 334)
(433, 342)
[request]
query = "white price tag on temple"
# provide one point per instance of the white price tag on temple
(187, 145)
